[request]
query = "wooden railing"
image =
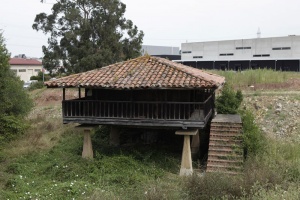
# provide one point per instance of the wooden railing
(138, 109)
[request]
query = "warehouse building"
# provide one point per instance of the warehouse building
(278, 53)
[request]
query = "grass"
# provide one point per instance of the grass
(258, 76)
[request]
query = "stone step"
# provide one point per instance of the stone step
(225, 132)
(224, 135)
(226, 124)
(232, 144)
(224, 148)
(219, 148)
(235, 128)
(223, 172)
(221, 140)
(223, 162)
(221, 167)
(225, 155)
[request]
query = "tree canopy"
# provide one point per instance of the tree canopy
(87, 34)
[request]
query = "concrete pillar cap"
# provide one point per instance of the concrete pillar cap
(187, 132)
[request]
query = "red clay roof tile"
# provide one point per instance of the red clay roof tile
(23, 61)
(143, 72)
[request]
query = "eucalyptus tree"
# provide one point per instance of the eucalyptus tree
(87, 34)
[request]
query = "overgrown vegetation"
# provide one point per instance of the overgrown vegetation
(14, 101)
(252, 77)
(36, 85)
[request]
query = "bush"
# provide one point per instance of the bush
(36, 85)
(10, 127)
(39, 77)
(253, 138)
(229, 100)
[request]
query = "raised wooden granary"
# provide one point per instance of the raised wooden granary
(144, 92)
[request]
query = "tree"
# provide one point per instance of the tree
(87, 34)
(14, 101)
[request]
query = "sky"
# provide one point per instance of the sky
(165, 22)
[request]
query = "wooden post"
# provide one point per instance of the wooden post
(186, 160)
(87, 151)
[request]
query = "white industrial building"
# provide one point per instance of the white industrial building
(278, 53)
(169, 52)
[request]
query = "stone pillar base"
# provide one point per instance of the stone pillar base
(186, 160)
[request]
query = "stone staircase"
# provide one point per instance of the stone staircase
(225, 153)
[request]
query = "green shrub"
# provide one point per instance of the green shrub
(10, 127)
(36, 85)
(253, 138)
(39, 77)
(229, 100)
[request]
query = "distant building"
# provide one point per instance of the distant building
(278, 53)
(25, 68)
(171, 53)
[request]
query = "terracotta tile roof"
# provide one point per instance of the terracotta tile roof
(23, 61)
(143, 72)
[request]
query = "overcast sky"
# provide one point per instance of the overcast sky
(166, 22)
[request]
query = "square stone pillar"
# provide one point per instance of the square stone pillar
(186, 168)
(87, 151)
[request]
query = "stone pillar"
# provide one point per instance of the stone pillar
(114, 136)
(87, 151)
(195, 145)
(186, 168)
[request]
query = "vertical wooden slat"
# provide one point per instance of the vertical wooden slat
(179, 111)
(64, 94)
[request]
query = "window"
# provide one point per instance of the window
(37, 70)
(186, 51)
(226, 54)
(261, 55)
(22, 70)
(239, 48)
(197, 56)
(281, 48)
